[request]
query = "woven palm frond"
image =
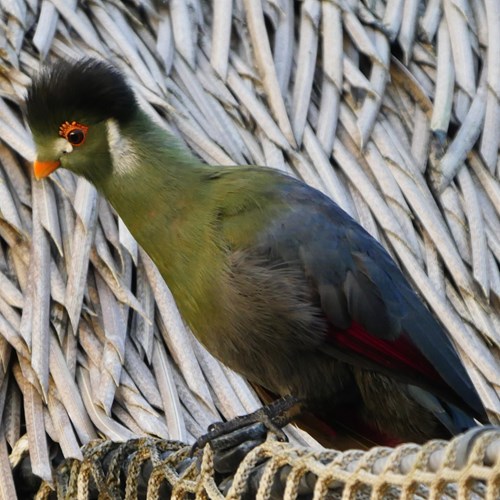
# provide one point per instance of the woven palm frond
(391, 108)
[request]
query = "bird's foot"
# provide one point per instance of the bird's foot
(238, 436)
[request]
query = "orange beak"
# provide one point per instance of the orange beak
(42, 169)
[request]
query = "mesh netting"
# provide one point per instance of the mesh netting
(153, 469)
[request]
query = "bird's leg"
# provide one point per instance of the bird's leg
(271, 417)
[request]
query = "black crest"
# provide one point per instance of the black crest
(79, 90)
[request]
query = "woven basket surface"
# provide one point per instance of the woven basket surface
(390, 108)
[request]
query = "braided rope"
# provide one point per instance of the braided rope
(152, 468)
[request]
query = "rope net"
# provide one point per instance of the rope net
(153, 469)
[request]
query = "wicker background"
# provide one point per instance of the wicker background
(391, 108)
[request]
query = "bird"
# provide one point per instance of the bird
(272, 276)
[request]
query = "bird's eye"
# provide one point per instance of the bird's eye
(73, 132)
(76, 136)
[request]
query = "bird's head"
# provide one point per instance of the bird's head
(71, 107)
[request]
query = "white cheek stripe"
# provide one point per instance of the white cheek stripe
(62, 146)
(123, 155)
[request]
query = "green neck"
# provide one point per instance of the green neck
(163, 200)
(151, 174)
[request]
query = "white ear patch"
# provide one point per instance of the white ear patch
(122, 152)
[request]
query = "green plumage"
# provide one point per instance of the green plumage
(272, 277)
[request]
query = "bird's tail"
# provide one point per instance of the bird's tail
(451, 417)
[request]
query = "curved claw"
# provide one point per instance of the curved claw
(273, 417)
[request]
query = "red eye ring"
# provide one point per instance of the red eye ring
(74, 132)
